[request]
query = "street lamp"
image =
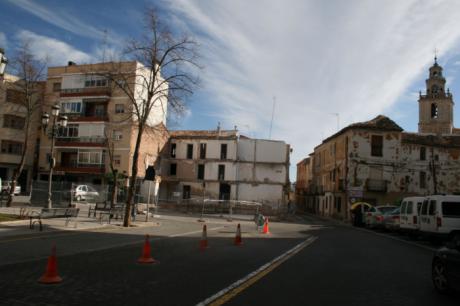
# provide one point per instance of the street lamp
(3, 62)
(52, 132)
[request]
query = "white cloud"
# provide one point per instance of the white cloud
(3, 42)
(66, 21)
(54, 51)
(349, 57)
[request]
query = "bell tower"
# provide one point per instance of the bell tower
(436, 105)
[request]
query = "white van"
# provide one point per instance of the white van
(409, 217)
(440, 216)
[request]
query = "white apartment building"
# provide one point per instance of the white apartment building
(221, 164)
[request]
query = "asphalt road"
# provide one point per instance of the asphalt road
(343, 266)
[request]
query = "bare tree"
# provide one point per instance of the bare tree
(27, 94)
(161, 80)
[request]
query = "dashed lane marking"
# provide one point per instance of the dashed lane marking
(237, 287)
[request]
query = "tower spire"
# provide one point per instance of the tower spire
(435, 56)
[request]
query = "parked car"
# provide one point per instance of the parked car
(410, 214)
(84, 192)
(374, 216)
(440, 216)
(6, 186)
(445, 268)
(391, 220)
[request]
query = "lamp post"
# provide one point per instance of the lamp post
(52, 132)
(3, 62)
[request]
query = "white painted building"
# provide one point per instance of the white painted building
(224, 165)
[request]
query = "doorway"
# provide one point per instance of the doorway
(186, 192)
(224, 191)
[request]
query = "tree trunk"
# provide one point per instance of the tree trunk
(18, 170)
(132, 181)
(114, 192)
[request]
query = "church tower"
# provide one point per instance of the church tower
(436, 105)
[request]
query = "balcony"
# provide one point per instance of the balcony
(94, 110)
(376, 185)
(87, 91)
(75, 167)
(81, 141)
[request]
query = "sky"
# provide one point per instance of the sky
(320, 65)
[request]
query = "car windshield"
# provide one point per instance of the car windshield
(386, 209)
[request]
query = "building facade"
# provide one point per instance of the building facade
(13, 115)
(377, 162)
(224, 165)
(100, 119)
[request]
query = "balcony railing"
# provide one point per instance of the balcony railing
(376, 185)
(74, 166)
(89, 91)
(90, 139)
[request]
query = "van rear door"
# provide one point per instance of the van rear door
(450, 211)
(402, 215)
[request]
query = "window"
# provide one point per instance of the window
(201, 172)
(377, 145)
(56, 87)
(451, 209)
(422, 179)
(434, 110)
(14, 122)
(172, 169)
(96, 82)
(117, 160)
(11, 147)
(202, 150)
(173, 150)
(409, 207)
(71, 107)
(117, 135)
(425, 207)
(71, 131)
(403, 207)
(119, 108)
(223, 151)
(189, 151)
(432, 208)
(419, 207)
(14, 96)
(90, 157)
(339, 204)
(422, 153)
(221, 173)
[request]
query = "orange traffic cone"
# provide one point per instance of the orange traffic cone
(146, 253)
(265, 229)
(51, 275)
(238, 240)
(204, 239)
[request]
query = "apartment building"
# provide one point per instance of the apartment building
(100, 119)
(221, 164)
(377, 162)
(12, 131)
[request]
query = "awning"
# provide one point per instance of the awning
(354, 205)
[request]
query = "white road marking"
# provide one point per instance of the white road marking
(241, 281)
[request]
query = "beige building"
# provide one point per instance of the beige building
(100, 119)
(221, 164)
(12, 131)
(377, 162)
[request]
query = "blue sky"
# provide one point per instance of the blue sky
(355, 58)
